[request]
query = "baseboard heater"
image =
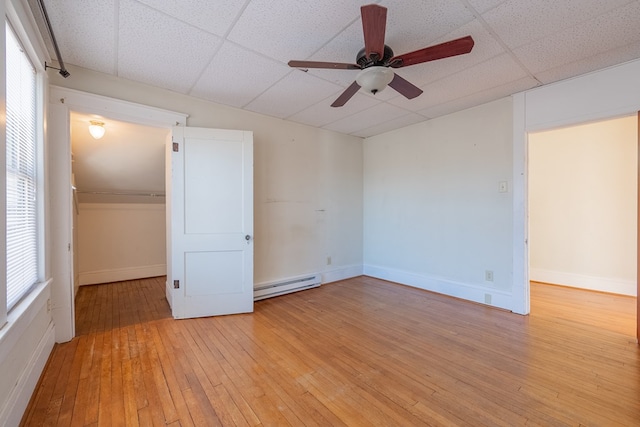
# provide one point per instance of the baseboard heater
(274, 289)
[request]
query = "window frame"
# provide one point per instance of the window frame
(25, 30)
(24, 122)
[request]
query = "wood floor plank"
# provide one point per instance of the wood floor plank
(168, 370)
(291, 394)
(116, 410)
(161, 376)
(105, 385)
(251, 384)
(95, 380)
(159, 410)
(283, 373)
(209, 374)
(71, 384)
(198, 388)
(129, 394)
(44, 406)
(357, 352)
(66, 354)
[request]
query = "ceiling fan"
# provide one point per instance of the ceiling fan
(376, 58)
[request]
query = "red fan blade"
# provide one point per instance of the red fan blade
(409, 90)
(346, 95)
(374, 22)
(439, 51)
(317, 64)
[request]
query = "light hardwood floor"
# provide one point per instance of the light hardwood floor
(360, 352)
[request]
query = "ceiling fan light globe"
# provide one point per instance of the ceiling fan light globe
(374, 79)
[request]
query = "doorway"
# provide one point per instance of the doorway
(63, 103)
(119, 220)
(583, 212)
(189, 152)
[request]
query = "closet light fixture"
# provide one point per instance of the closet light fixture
(96, 129)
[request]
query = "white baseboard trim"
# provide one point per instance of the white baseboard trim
(603, 284)
(482, 295)
(120, 274)
(341, 273)
(18, 399)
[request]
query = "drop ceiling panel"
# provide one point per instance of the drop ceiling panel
(343, 48)
(604, 33)
(479, 97)
(161, 51)
(323, 113)
(592, 63)
(343, 78)
(519, 22)
(292, 29)
(492, 73)
(371, 117)
(236, 76)
(295, 92)
(412, 28)
(482, 6)
(88, 39)
(215, 20)
(485, 48)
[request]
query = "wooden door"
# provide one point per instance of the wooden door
(210, 222)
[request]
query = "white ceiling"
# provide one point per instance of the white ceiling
(235, 52)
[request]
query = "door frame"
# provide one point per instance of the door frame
(609, 93)
(62, 101)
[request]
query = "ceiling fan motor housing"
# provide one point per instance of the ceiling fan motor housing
(364, 62)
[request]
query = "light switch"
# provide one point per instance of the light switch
(502, 187)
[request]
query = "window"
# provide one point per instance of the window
(22, 167)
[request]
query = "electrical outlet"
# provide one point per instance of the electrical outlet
(49, 306)
(487, 298)
(488, 275)
(328, 260)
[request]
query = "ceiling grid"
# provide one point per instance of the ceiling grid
(235, 52)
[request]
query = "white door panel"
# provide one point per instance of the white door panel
(208, 273)
(213, 179)
(211, 198)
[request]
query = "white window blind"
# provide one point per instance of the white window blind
(22, 233)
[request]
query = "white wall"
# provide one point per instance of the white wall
(433, 214)
(582, 206)
(307, 181)
(118, 241)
